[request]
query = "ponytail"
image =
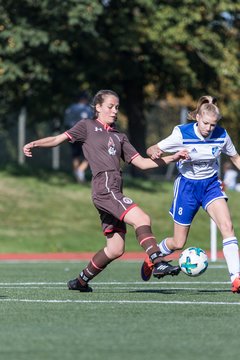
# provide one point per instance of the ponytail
(206, 104)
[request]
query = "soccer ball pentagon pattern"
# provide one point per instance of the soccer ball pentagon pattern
(193, 261)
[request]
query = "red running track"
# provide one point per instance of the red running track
(84, 256)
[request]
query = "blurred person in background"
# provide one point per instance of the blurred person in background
(229, 176)
(198, 184)
(104, 147)
(79, 110)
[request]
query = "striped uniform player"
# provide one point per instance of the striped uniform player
(198, 184)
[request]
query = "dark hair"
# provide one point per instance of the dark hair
(99, 99)
(206, 103)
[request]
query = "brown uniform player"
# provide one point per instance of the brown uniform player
(104, 146)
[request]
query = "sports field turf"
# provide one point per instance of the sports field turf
(124, 318)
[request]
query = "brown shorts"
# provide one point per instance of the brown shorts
(110, 202)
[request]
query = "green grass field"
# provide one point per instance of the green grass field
(48, 212)
(173, 318)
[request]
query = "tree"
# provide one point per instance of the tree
(143, 49)
(181, 47)
(40, 61)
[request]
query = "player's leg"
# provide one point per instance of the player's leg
(114, 249)
(166, 247)
(177, 242)
(83, 165)
(114, 230)
(142, 225)
(80, 170)
(183, 210)
(219, 212)
(79, 163)
(78, 173)
(184, 207)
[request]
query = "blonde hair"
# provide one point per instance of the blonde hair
(206, 104)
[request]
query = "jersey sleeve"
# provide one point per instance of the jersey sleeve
(78, 132)
(228, 148)
(128, 151)
(173, 142)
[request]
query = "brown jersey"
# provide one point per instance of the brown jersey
(104, 147)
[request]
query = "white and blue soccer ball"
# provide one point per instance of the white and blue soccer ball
(193, 261)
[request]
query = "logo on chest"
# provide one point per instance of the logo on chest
(216, 151)
(111, 147)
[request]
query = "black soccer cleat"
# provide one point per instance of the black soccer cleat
(163, 268)
(76, 285)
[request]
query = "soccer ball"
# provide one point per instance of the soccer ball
(193, 261)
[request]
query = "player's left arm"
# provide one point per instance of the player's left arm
(236, 160)
(230, 150)
(154, 152)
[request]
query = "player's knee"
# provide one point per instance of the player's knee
(226, 227)
(116, 253)
(144, 220)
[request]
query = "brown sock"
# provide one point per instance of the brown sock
(94, 267)
(148, 242)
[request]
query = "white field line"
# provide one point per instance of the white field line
(211, 265)
(118, 283)
(130, 289)
(122, 302)
(105, 285)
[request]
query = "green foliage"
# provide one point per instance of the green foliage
(144, 49)
(37, 42)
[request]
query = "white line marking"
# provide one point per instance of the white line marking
(122, 302)
(121, 288)
(24, 262)
(118, 283)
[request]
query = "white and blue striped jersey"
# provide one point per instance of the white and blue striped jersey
(204, 152)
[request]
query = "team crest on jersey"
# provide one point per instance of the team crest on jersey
(127, 200)
(215, 151)
(111, 147)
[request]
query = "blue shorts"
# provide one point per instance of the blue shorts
(190, 194)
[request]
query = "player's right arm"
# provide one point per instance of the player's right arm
(50, 141)
(146, 163)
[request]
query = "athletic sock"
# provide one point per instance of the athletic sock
(231, 254)
(164, 248)
(148, 242)
(99, 261)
